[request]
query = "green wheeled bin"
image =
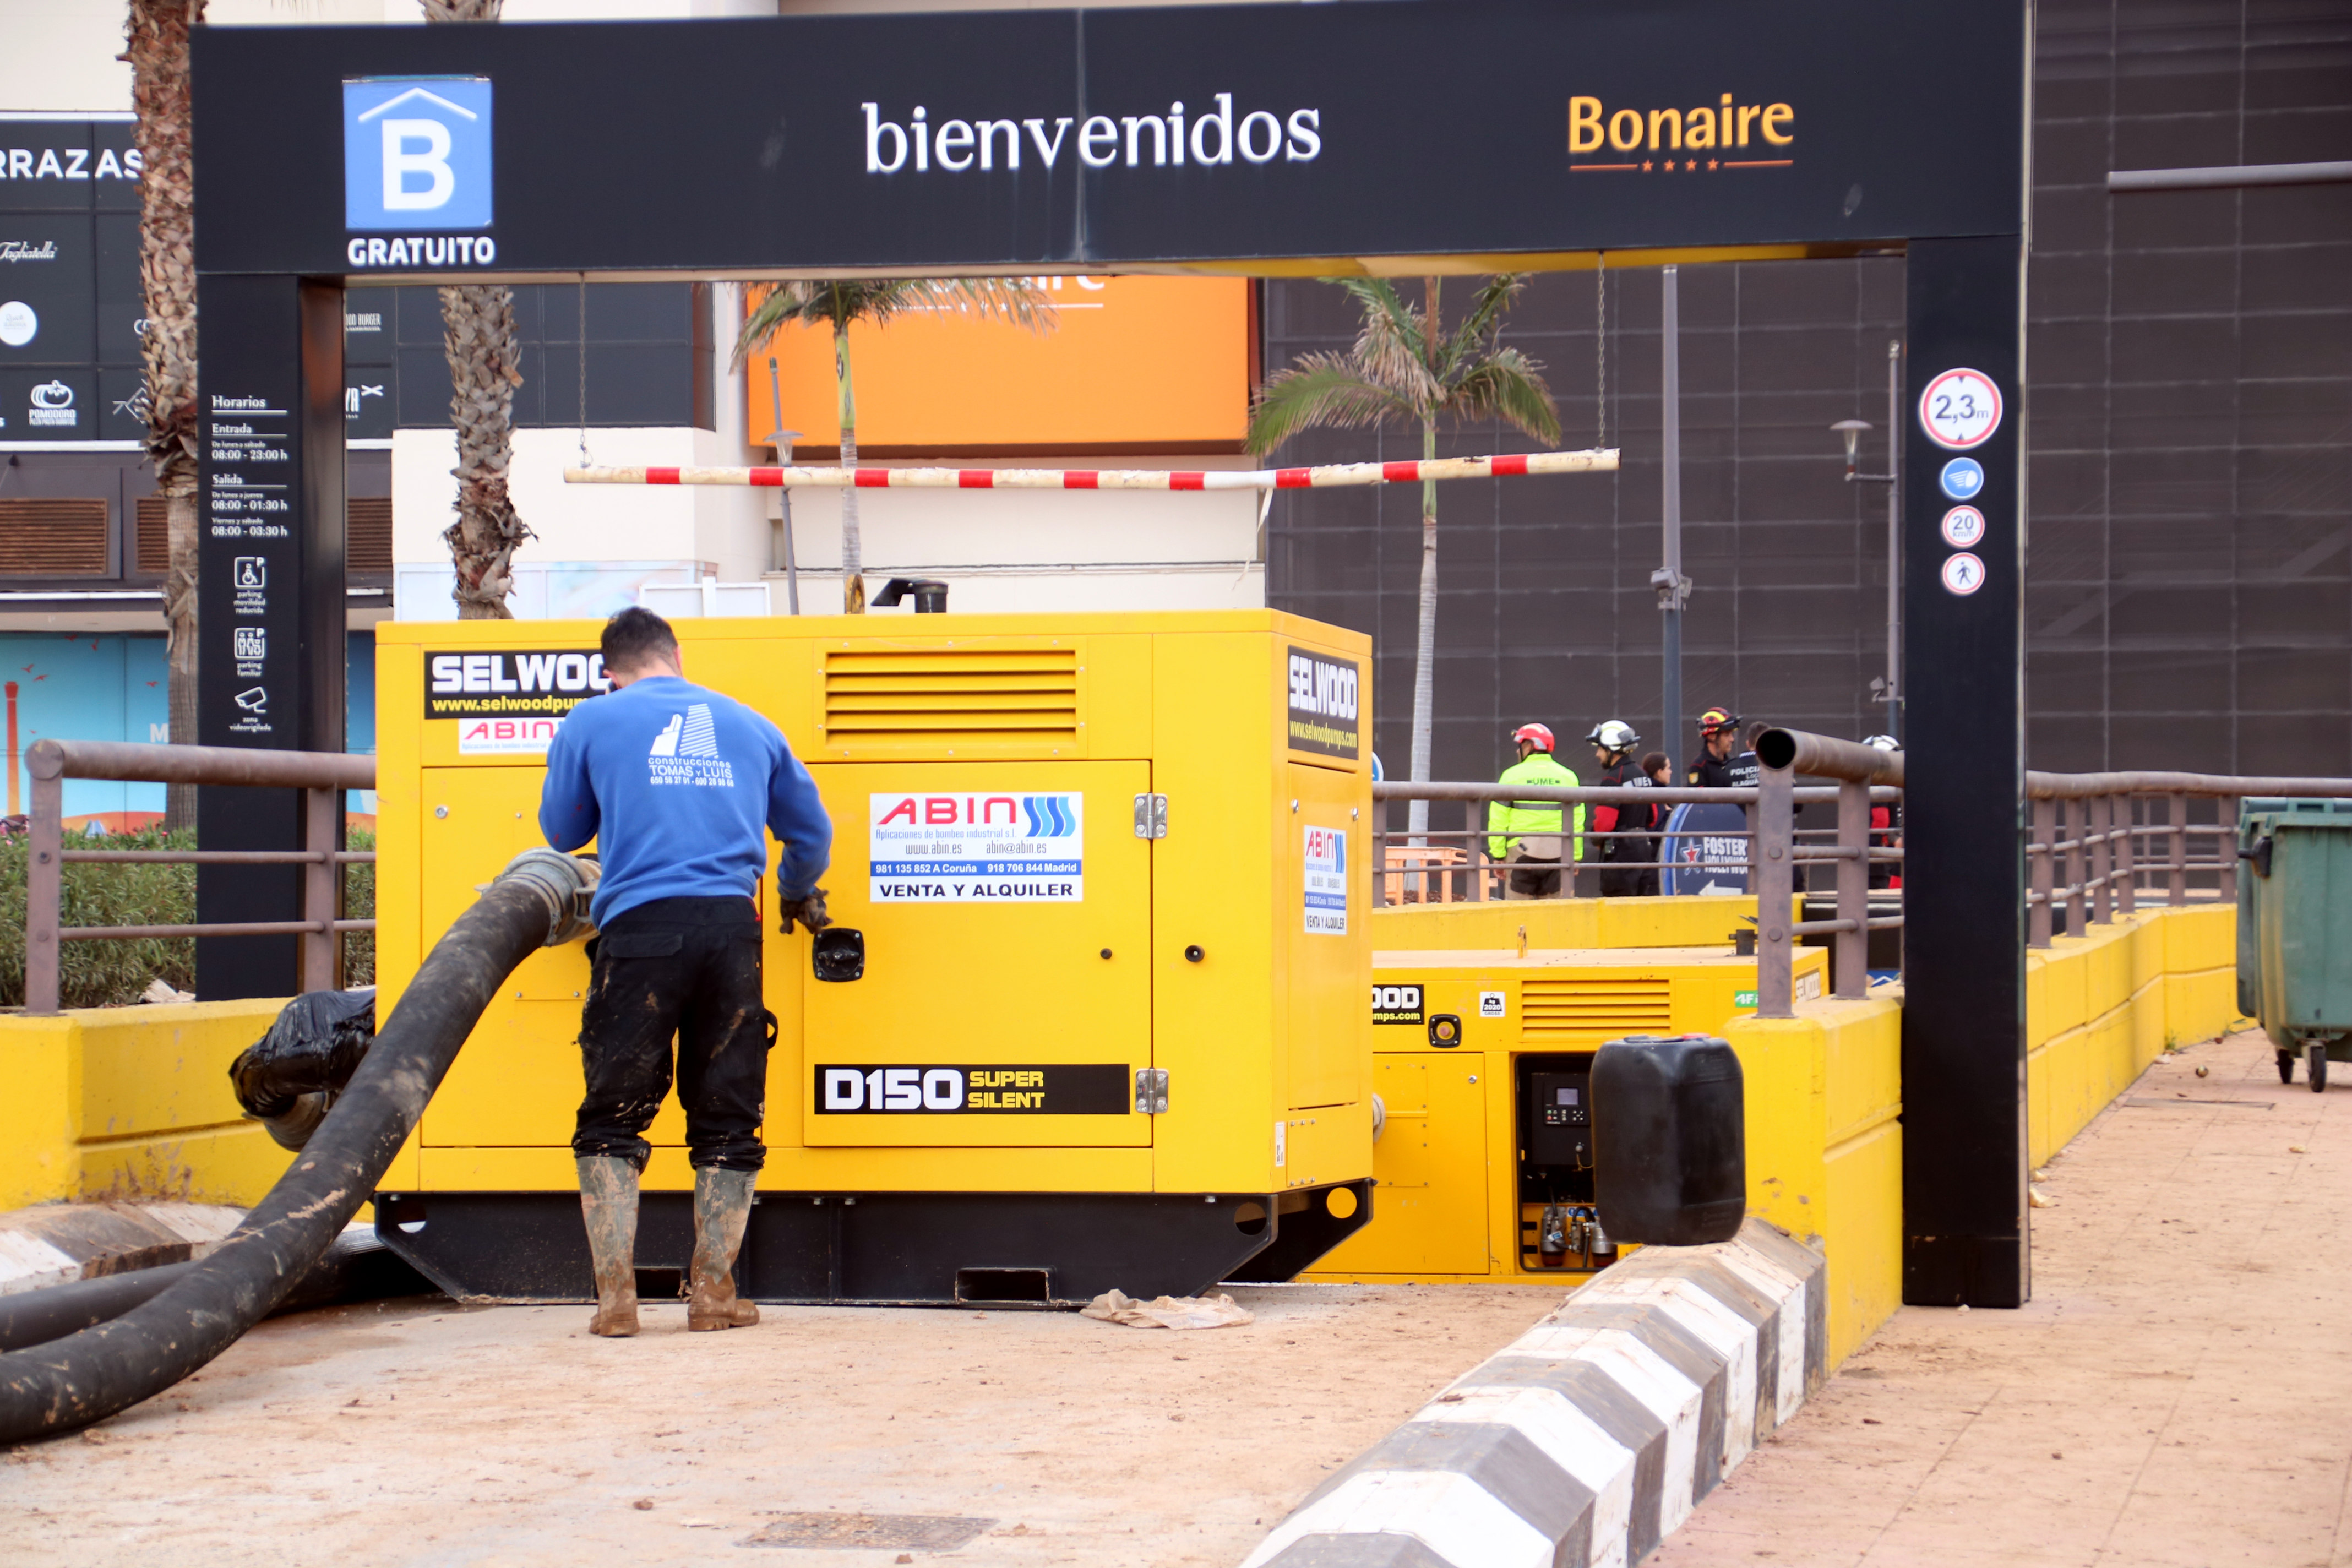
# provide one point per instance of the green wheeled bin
(2295, 929)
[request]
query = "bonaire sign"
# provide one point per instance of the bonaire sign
(967, 846)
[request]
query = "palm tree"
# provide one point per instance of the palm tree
(1405, 366)
(158, 54)
(485, 354)
(835, 302)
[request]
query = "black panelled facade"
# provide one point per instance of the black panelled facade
(2190, 497)
(649, 357)
(1544, 608)
(2190, 600)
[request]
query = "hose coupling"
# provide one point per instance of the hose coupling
(565, 883)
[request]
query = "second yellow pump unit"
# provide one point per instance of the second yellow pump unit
(1101, 1021)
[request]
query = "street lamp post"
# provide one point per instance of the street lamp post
(780, 558)
(1673, 588)
(1887, 687)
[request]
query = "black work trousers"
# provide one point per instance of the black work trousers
(1628, 882)
(688, 969)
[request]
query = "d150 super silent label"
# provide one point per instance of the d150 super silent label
(1323, 705)
(1086, 1089)
(964, 846)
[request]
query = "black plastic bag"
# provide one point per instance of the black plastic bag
(289, 1078)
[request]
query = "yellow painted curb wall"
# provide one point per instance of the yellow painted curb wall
(1824, 1088)
(1824, 1094)
(2100, 1006)
(124, 1102)
(1564, 922)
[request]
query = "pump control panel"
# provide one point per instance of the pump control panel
(1559, 1129)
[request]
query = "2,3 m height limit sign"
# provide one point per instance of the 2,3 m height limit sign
(1960, 409)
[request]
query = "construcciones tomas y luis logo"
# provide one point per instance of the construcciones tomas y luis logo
(510, 700)
(416, 165)
(966, 846)
(1323, 705)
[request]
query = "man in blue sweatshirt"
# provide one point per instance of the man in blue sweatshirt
(677, 784)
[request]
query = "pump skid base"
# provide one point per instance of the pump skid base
(1051, 1250)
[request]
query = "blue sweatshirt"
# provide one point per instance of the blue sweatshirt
(675, 783)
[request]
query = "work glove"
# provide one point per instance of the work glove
(809, 912)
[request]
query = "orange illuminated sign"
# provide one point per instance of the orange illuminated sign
(1138, 365)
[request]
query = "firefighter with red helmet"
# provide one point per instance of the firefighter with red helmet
(1886, 825)
(1535, 838)
(1713, 768)
(1612, 743)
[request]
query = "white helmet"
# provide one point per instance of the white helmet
(1615, 734)
(1884, 743)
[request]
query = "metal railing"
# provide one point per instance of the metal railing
(1455, 865)
(1776, 849)
(2094, 826)
(322, 776)
(2100, 832)
(1782, 754)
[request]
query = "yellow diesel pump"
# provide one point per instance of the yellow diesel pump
(1091, 1014)
(1481, 1060)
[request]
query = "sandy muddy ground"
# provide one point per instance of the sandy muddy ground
(435, 1435)
(2177, 1392)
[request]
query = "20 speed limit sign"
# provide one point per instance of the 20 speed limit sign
(1960, 409)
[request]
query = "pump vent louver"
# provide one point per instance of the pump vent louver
(1593, 1011)
(987, 701)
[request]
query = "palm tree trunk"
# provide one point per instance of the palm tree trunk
(158, 54)
(478, 336)
(1425, 659)
(853, 541)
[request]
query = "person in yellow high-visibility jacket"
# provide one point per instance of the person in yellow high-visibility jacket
(1534, 838)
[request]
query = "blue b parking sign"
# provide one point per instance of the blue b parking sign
(417, 153)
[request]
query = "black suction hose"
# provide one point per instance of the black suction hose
(70, 1383)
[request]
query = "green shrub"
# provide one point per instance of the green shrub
(113, 973)
(359, 904)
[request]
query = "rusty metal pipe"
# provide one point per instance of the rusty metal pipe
(1824, 756)
(138, 762)
(220, 927)
(191, 856)
(43, 892)
(2082, 786)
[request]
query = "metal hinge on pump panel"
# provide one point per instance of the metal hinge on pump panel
(1151, 816)
(1151, 1091)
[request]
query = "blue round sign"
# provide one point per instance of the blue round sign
(1963, 478)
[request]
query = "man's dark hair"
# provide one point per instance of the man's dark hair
(1756, 732)
(636, 636)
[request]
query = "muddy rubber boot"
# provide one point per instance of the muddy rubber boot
(608, 1205)
(722, 1206)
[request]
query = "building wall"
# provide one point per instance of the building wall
(1544, 608)
(108, 686)
(2190, 495)
(2189, 603)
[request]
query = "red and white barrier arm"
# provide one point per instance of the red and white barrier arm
(1329, 477)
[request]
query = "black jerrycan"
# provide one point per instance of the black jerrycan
(1669, 1139)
